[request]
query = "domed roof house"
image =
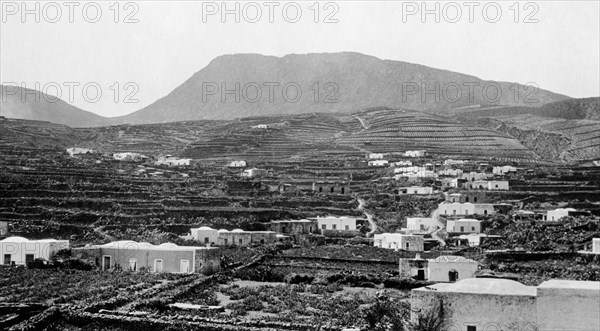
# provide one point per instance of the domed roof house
(166, 257)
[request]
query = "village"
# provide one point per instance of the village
(359, 240)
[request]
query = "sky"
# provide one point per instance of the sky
(113, 58)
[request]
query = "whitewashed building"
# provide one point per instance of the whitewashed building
(20, 251)
(445, 268)
(379, 163)
(416, 153)
(464, 225)
(172, 161)
(463, 209)
(424, 224)
(503, 170)
(78, 150)
(376, 156)
(237, 164)
(418, 190)
(478, 304)
(399, 241)
(341, 223)
(557, 214)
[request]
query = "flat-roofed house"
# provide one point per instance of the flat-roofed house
(295, 227)
(425, 224)
(378, 163)
(557, 214)
(448, 268)
(376, 156)
(205, 234)
(20, 251)
(78, 150)
(167, 257)
(416, 153)
(399, 241)
(237, 164)
(477, 304)
(417, 190)
(239, 237)
(463, 209)
(464, 225)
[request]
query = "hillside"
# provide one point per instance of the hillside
(567, 130)
(362, 81)
(34, 105)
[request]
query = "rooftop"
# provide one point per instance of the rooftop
(570, 284)
(490, 286)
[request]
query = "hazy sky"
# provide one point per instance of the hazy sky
(172, 40)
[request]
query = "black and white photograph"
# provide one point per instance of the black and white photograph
(303, 165)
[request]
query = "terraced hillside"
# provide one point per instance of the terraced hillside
(567, 130)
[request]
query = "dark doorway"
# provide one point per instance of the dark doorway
(106, 263)
(452, 275)
(28, 258)
(421, 274)
(7, 258)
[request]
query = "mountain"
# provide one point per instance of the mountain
(34, 105)
(356, 81)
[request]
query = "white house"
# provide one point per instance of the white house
(596, 245)
(342, 223)
(503, 170)
(419, 190)
(237, 164)
(557, 214)
(127, 156)
(206, 235)
(477, 304)
(462, 209)
(397, 241)
(450, 268)
(254, 172)
(464, 225)
(403, 164)
(78, 150)
(259, 126)
(450, 172)
(172, 161)
(376, 156)
(473, 176)
(449, 162)
(417, 153)
(20, 251)
(378, 163)
(442, 269)
(421, 224)
(492, 185)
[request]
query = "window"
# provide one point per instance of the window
(133, 264)
(332, 189)
(324, 226)
(496, 185)
(407, 246)
(485, 211)
(206, 240)
(29, 258)
(225, 241)
(471, 328)
(462, 229)
(320, 189)
(158, 265)
(466, 199)
(475, 199)
(241, 241)
(347, 227)
(472, 228)
(262, 241)
(416, 191)
(343, 190)
(7, 258)
(334, 226)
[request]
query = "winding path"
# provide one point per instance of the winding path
(361, 207)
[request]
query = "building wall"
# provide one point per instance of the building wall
(438, 270)
(3, 228)
(415, 190)
(468, 226)
(596, 245)
(399, 241)
(458, 209)
(484, 311)
(557, 214)
(295, 227)
(331, 188)
(573, 309)
(208, 261)
(205, 235)
(337, 223)
(17, 251)
(420, 223)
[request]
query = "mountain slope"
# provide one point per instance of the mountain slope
(34, 105)
(356, 81)
(567, 130)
